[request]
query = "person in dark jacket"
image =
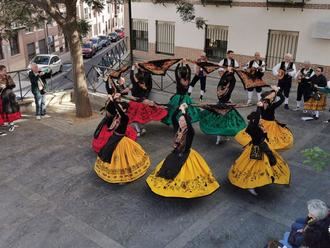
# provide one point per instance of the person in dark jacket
(38, 88)
(314, 230)
(9, 108)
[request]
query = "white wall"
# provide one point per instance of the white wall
(248, 27)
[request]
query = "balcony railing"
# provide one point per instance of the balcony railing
(286, 3)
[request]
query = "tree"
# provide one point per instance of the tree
(31, 12)
(186, 10)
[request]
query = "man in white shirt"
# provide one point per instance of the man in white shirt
(257, 66)
(304, 77)
(289, 69)
(226, 71)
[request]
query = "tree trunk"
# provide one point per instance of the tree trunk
(81, 99)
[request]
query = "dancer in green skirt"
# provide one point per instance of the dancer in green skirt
(221, 119)
(182, 77)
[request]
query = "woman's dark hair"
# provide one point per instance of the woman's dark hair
(139, 76)
(2, 67)
(321, 68)
(265, 94)
(124, 105)
(253, 116)
(184, 72)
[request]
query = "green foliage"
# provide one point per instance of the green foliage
(17, 14)
(186, 10)
(84, 27)
(316, 158)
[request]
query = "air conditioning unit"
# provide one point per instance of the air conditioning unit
(321, 30)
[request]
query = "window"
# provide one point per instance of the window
(99, 28)
(29, 29)
(95, 29)
(1, 52)
(103, 18)
(31, 50)
(165, 37)
(54, 60)
(42, 46)
(14, 44)
(140, 35)
(280, 43)
(216, 41)
(86, 14)
(51, 44)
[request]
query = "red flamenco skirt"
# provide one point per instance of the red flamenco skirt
(105, 134)
(4, 117)
(143, 113)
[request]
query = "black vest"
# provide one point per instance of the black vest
(290, 67)
(252, 61)
(308, 73)
(232, 62)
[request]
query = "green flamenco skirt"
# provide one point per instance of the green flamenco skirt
(224, 125)
(175, 102)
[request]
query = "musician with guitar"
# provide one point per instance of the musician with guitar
(304, 77)
(226, 71)
(285, 71)
(256, 69)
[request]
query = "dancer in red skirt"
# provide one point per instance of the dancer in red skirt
(9, 108)
(105, 128)
(142, 110)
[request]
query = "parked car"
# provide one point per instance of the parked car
(97, 43)
(48, 63)
(120, 33)
(105, 40)
(114, 37)
(88, 49)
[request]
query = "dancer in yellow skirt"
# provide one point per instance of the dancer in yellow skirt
(258, 165)
(280, 137)
(184, 173)
(121, 160)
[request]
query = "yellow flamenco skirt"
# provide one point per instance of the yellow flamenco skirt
(195, 179)
(129, 162)
(249, 173)
(280, 138)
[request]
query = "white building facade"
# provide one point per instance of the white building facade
(102, 23)
(272, 27)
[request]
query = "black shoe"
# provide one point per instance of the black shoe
(286, 106)
(315, 117)
(3, 134)
(201, 98)
(189, 94)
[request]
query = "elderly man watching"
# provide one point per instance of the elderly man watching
(313, 231)
(38, 88)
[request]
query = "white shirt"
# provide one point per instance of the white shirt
(236, 65)
(291, 73)
(256, 65)
(305, 71)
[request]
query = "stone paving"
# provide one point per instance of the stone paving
(50, 196)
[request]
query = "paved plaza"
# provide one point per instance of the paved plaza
(51, 197)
